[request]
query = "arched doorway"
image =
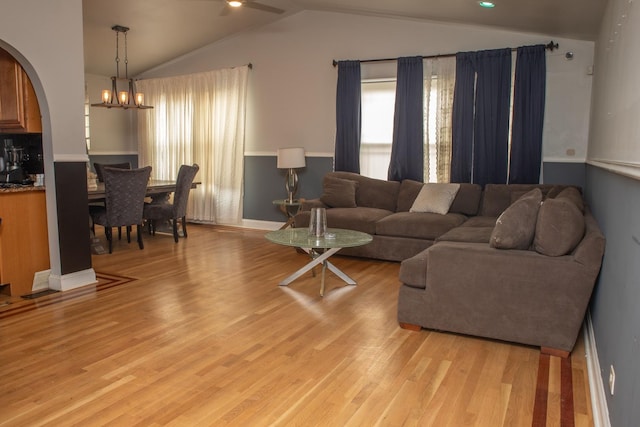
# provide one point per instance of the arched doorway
(24, 241)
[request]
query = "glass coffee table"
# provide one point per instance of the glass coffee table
(319, 248)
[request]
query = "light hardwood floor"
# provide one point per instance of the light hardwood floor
(198, 333)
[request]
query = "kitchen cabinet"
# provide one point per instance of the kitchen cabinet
(24, 242)
(19, 109)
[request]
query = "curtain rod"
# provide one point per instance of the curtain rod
(551, 46)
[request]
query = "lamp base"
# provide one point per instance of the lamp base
(291, 184)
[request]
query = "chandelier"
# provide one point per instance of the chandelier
(128, 98)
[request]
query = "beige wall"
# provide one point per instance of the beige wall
(46, 38)
(292, 84)
(112, 130)
(615, 139)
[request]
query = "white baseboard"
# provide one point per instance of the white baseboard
(70, 281)
(596, 386)
(254, 224)
(261, 225)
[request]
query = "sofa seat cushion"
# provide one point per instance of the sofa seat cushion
(467, 234)
(480, 221)
(359, 219)
(418, 225)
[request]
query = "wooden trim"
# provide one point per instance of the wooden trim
(542, 392)
(555, 352)
(567, 418)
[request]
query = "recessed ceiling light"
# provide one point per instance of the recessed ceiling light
(234, 3)
(487, 4)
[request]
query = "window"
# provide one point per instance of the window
(378, 104)
(378, 100)
(87, 108)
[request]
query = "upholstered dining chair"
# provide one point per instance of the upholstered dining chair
(177, 210)
(125, 190)
(100, 166)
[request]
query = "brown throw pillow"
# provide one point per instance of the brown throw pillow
(516, 226)
(555, 190)
(338, 192)
(573, 195)
(560, 227)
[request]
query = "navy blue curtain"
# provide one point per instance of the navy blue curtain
(528, 115)
(491, 130)
(407, 149)
(462, 120)
(348, 117)
(480, 130)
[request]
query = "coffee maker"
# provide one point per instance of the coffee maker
(11, 168)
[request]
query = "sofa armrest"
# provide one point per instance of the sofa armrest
(512, 295)
(590, 250)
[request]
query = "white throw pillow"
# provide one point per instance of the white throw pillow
(435, 198)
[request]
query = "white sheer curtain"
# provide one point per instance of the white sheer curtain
(439, 83)
(198, 118)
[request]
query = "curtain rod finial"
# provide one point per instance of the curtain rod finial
(551, 46)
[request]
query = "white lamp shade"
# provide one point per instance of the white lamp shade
(291, 158)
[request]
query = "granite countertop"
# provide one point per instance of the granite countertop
(20, 188)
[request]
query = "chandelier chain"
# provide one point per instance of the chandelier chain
(124, 98)
(126, 59)
(117, 54)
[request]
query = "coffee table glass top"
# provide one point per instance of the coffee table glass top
(299, 237)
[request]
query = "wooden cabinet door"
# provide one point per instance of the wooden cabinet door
(19, 108)
(24, 240)
(32, 117)
(11, 93)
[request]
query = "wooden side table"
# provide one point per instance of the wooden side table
(290, 209)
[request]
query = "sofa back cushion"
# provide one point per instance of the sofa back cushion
(516, 226)
(498, 197)
(407, 194)
(371, 192)
(466, 202)
(338, 192)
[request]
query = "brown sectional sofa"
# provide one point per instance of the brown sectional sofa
(381, 208)
(453, 278)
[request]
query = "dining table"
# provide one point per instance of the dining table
(156, 189)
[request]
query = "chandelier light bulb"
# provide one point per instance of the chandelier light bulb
(124, 97)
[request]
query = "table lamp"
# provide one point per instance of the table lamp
(291, 158)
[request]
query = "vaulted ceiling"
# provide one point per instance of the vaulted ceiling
(161, 30)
